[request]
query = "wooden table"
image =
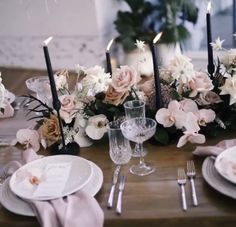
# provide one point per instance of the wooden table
(152, 200)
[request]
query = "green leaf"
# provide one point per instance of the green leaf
(162, 136)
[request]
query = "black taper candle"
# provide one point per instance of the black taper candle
(108, 61)
(55, 101)
(210, 66)
(159, 102)
(108, 58)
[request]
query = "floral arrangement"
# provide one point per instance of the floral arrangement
(195, 105)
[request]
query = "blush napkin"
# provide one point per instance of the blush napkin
(76, 210)
(214, 150)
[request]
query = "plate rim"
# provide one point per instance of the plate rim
(208, 179)
(50, 197)
(217, 161)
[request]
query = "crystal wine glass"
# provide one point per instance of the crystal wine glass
(119, 146)
(135, 108)
(139, 130)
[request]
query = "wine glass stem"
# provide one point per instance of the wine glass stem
(141, 160)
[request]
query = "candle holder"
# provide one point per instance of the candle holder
(71, 149)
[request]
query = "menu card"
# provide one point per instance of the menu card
(56, 176)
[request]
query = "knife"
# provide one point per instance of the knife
(119, 200)
(112, 191)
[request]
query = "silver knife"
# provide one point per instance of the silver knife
(119, 200)
(112, 191)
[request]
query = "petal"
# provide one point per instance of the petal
(163, 117)
(182, 140)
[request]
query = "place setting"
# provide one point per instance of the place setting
(48, 178)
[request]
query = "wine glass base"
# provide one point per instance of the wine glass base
(142, 169)
(136, 152)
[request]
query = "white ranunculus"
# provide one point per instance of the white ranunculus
(96, 79)
(181, 69)
(96, 127)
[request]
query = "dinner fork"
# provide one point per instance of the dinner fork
(191, 173)
(181, 179)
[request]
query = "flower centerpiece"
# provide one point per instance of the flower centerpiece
(195, 106)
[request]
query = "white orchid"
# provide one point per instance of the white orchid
(29, 138)
(217, 45)
(229, 88)
(96, 126)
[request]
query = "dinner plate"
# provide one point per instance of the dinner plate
(80, 174)
(215, 180)
(225, 164)
(18, 206)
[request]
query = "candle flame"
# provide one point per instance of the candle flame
(209, 7)
(157, 37)
(109, 44)
(47, 41)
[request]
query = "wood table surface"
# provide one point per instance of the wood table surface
(152, 200)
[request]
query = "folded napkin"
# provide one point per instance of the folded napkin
(8, 110)
(214, 150)
(76, 210)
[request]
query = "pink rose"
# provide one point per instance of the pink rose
(200, 83)
(68, 107)
(115, 98)
(124, 78)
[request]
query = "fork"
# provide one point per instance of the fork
(191, 173)
(119, 200)
(181, 179)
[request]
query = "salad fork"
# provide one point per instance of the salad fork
(181, 179)
(191, 173)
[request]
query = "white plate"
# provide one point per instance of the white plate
(225, 164)
(80, 174)
(18, 206)
(215, 180)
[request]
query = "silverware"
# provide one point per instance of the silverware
(181, 179)
(191, 173)
(112, 190)
(119, 199)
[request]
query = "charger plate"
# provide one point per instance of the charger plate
(16, 205)
(80, 174)
(215, 180)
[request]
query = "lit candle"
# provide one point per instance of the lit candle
(157, 82)
(55, 101)
(210, 66)
(108, 58)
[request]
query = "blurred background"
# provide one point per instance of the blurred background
(82, 29)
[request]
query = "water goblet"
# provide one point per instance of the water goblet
(41, 86)
(119, 146)
(135, 108)
(139, 130)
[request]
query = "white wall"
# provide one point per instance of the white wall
(81, 30)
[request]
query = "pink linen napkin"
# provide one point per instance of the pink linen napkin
(8, 110)
(76, 210)
(214, 150)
